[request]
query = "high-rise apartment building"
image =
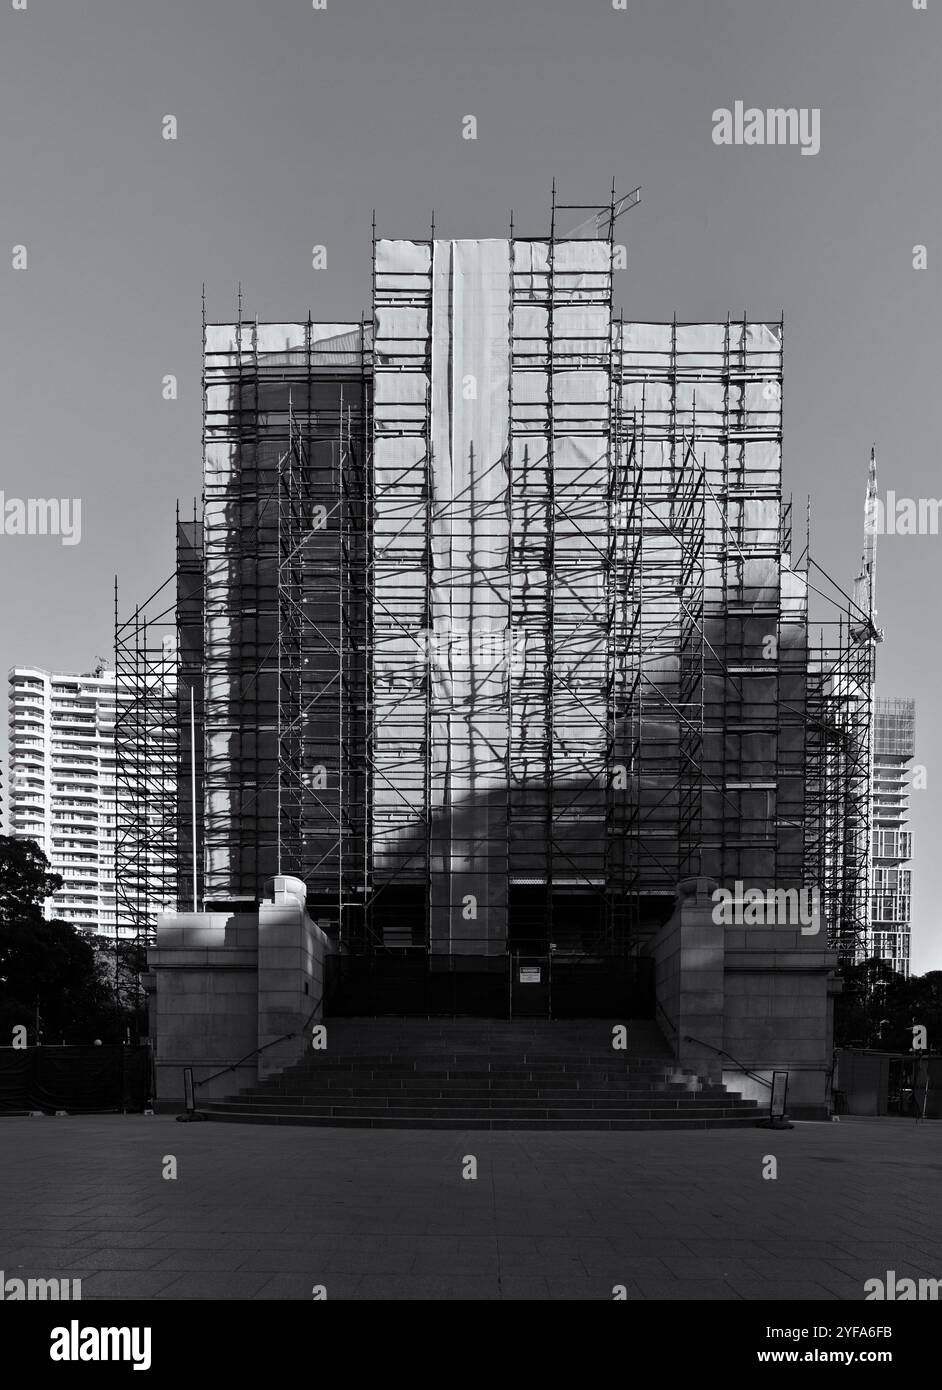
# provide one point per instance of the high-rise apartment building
(62, 786)
(890, 898)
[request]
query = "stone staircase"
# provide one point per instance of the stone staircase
(400, 1073)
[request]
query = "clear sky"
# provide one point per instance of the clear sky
(294, 123)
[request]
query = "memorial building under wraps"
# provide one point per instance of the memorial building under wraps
(494, 664)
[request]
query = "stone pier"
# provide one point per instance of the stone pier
(234, 990)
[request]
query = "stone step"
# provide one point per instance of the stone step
(439, 1087)
(520, 1107)
(581, 1052)
(482, 1074)
(413, 1057)
(502, 1067)
(569, 1081)
(593, 1121)
(414, 1105)
(488, 1033)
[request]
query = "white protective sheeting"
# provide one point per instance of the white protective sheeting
(470, 597)
(472, 529)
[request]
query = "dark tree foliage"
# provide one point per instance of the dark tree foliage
(49, 976)
(120, 965)
(46, 968)
(878, 1008)
(25, 879)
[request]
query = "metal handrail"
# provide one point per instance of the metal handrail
(667, 1018)
(688, 1037)
(720, 1052)
(275, 1041)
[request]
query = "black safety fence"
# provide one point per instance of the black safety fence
(88, 1079)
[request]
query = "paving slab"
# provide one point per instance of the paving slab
(268, 1212)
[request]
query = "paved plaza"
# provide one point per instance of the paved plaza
(269, 1211)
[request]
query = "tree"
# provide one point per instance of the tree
(120, 965)
(920, 1002)
(25, 879)
(863, 1002)
(878, 1007)
(47, 969)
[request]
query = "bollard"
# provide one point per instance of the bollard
(189, 1102)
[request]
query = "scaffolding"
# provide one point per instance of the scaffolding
(838, 782)
(147, 751)
(624, 524)
(493, 593)
(492, 622)
(190, 799)
(284, 610)
(716, 647)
